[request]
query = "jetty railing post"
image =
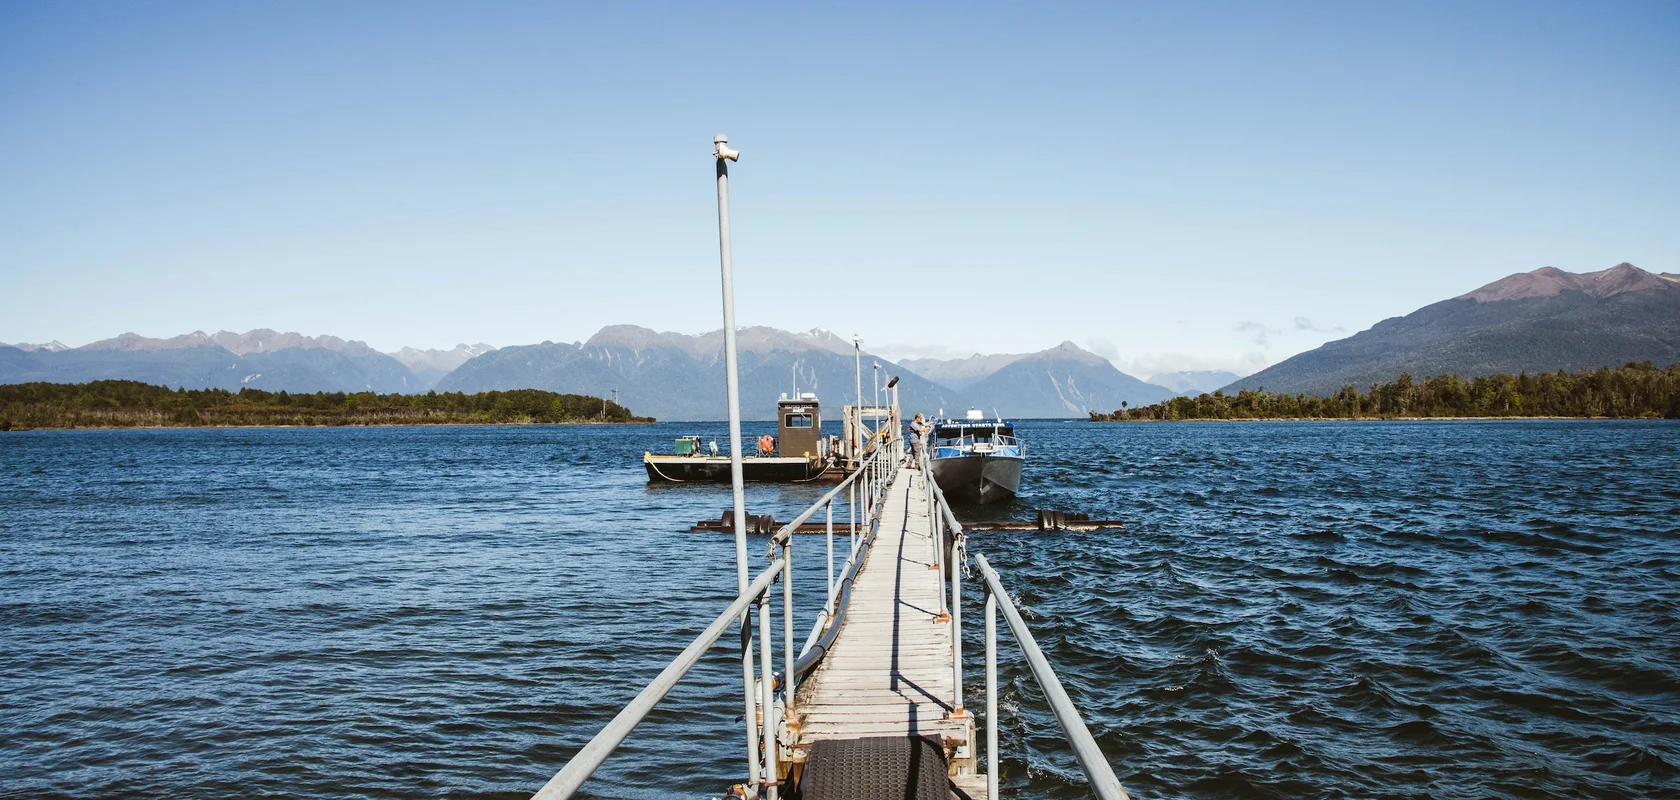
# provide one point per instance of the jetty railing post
(723, 155)
(830, 529)
(939, 547)
(992, 766)
(788, 653)
(751, 704)
(767, 689)
(1104, 783)
(851, 513)
(956, 626)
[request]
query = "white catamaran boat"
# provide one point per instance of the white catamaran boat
(977, 459)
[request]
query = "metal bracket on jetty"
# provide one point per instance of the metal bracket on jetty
(871, 704)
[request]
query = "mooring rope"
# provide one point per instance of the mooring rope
(662, 474)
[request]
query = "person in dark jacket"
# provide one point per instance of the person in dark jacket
(918, 431)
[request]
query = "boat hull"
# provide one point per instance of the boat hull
(978, 478)
(715, 469)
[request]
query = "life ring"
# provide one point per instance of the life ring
(766, 444)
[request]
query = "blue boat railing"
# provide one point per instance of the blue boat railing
(996, 445)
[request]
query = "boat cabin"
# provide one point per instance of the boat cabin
(799, 426)
(981, 431)
(973, 436)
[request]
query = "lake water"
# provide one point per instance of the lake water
(1451, 609)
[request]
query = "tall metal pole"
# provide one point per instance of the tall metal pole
(732, 376)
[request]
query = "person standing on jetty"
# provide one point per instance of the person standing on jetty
(918, 431)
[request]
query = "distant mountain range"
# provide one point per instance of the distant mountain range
(1064, 381)
(432, 365)
(666, 375)
(1539, 321)
(680, 377)
(260, 359)
(1543, 320)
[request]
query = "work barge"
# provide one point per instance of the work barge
(871, 704)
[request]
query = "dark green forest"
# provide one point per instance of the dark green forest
(1635, 391)
(131, 404)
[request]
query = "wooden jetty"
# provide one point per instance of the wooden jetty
(872, 705)
(890, 671)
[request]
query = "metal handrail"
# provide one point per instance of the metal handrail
(593, 754)
(1098, 772)
(875, 473)
(782, 533)
(870, 479)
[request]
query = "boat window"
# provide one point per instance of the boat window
(798, 421)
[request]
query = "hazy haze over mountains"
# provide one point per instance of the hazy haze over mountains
(431, 365)
(958, 373)
(1538, 321)
(1194, 382)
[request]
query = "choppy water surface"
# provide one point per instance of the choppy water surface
(1299, 610)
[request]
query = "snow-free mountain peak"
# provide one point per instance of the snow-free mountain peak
(1539, 321)
(1551, 281)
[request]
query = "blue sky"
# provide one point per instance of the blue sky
(1175, 185)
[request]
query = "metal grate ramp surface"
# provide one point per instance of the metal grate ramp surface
(876, 768)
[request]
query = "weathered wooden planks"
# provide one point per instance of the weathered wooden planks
(889, 672)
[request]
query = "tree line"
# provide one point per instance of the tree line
(1634, 391)
(129, 404)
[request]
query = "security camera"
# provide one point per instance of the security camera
(724, 152)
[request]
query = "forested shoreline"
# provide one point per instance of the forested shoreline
(1634, 391)
(131, 404)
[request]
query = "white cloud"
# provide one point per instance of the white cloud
(1256, 332)
(1242, 362)
(898, 351)
(1305, 324)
